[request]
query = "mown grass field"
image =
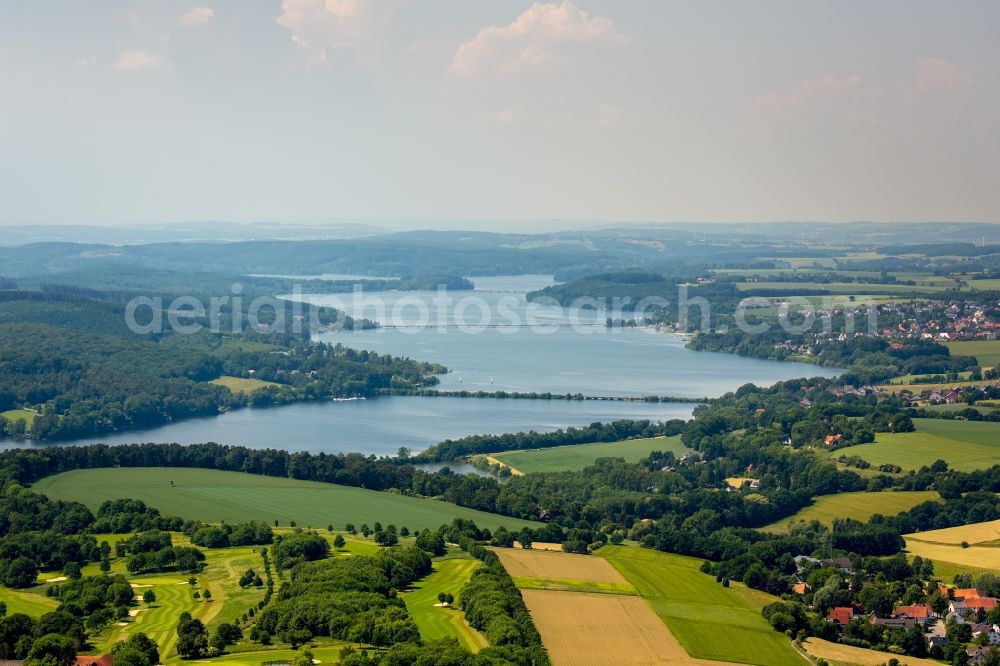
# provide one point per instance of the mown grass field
(14, 415)
(223, 567)
(29, 602)
(987, 352)
(450, 574)
(217, 496)
(860, 506)
(964, 445)
(570, 458)
(710, 621)
(241, 384)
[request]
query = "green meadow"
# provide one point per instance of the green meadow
(964, 445)
(709, 620)
(451, 573)
(575, 457)
(241, 384)
(25, 415)
(860, 506)
(987, 352)
(217, 496)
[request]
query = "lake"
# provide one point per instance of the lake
(486, 340)
(491, 339)
(381, 425)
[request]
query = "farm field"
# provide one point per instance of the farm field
(920, 388)
(839, 287)
(576, 457)
(554, 566)
(450, 574)
(959, 406)
(987, 352)
(964, 445)
(944, 547)
(860, 506)
(954, 536)
(838, 654)
(964, 559)
(217, 496)
(581, 628)
(241, 384)
(694, 606)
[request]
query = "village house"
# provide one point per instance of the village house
(990, 631)
(977, 655)
(840, 616)
(892, 622)
(919, 613)
(103, 660)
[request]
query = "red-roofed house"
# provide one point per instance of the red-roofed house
(800, 588)
(986, 603)
(840, 615)
(919, 612)
(966, 593)
(103, 660)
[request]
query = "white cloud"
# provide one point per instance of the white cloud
(805, 96)
(136, 60)
(197, 16)
(936, 75)
(543, 34)
(319, 25)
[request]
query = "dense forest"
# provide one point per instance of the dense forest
(74, 365)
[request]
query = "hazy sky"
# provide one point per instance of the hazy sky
(131, 111)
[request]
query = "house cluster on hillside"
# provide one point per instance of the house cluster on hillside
(966, 606)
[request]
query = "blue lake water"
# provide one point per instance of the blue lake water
(381, 425)
(491, 339)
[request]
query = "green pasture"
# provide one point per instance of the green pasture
(964, 445)
(987, 352)
(25, 415)
(217, 496)
(709, 620)
(241, 384)
(860, 506)
(578, 456)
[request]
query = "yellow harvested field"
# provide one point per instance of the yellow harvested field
(979, 557)
(845, 655)
(584, 628)
(974, 533)
(542, 564)
(542, 545)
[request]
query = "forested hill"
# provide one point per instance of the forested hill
(72, 368)
(109, 277)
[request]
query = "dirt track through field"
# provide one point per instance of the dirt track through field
(580, 628)
(539, 564)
